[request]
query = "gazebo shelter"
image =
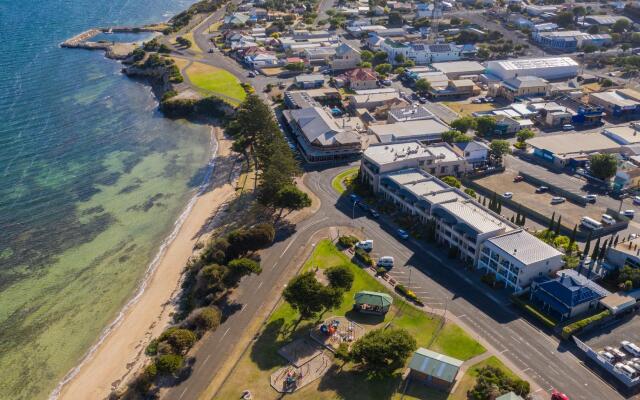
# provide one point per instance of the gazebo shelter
(372, 302)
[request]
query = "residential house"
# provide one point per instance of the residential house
(474, 152)
(567, 296)
(421, 53)
(523, 86)
(361, 78)
(236, 19)
(320, 55)
(346, 57)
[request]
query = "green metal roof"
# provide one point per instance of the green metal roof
(509, 396)
(373, 298)
(435, 364)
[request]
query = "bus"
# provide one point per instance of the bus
(590, 223)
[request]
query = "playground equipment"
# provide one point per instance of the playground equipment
(291, 379)
(246, 395)
(330, 328)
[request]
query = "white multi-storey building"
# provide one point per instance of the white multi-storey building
(480, 236)
(517, 257)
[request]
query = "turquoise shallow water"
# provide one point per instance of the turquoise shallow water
(92, 179)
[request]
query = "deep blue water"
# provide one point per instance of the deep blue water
(64, 115)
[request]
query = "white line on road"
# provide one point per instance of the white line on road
(259, 285)
(183, 392)
(225, 334)
(206, 359)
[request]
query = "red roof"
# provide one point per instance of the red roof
(294, 60)
(360, 74)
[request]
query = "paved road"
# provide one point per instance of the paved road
(438, 280)
(323, 7)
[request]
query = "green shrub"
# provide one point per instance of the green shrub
(347, 241)
(169, 94)
(340, 276)
(152, 348)
(408, 293)
(364, 257)
(577, 326)
(169, 364)
(533, 311)
(179, 338)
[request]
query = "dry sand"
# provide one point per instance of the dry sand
(121, 353)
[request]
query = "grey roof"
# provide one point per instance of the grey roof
(524, 247)
(310, 78)
(409, 113)
(584, 281)
(346, 48)
(410, 130)
(435, 364)
(320, 128)
(525, 82)
(459, 67)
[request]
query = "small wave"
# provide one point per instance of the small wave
(151, 268)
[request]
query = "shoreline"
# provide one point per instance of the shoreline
(119, 351)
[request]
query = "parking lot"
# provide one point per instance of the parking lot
(525, 193)
(613, 335)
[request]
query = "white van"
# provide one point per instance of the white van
(607, 356)
(590, 223)
(627, 370)
(366, 245)
(386, 262)
(607, 219)
(631, 348)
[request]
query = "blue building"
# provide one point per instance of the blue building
(569, 41)
(567, 295)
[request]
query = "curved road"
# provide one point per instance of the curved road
(438, 280)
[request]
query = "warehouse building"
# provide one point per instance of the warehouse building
(572, 150)
(551, 68)
(569, 41)
(459, 69)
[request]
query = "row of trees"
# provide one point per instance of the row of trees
(256, 134)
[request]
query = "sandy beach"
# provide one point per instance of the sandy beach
(121, 353)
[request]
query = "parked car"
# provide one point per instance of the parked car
(386, 82)
(251, 74)
(591, 198)
(557, 395)
(489, 99)
(374, 213)
(364, 206)
(211, 50)
(366, 245)
(631, 348)
(568, 127)
(422, 100)
(557, 200)
(618, 354)
(402, 234)
(542, 189)
(636, 199)
(507, 195)
(607, 219)
(629, 213)
(385, 262)
(607, 356)
(476, 101)
(518, 178)
(354, 198)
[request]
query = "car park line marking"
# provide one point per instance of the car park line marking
(259, 285)
(183, 392)
(224, 334)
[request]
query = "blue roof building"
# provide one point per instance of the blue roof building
(567, 295)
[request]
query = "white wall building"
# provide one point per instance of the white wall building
(425, 53)
(517, 257)
(548, 68)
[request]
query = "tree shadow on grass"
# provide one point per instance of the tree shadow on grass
(364, 319)
(353, 383)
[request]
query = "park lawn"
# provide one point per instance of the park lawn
(338, 182)
(216, 81)
(256, 365)
(194, 46)
(455, 342)
(466, 109)
(180, 62)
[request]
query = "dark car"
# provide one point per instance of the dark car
(354, 198)
(364, 206)
(402, 234)
(374, 213)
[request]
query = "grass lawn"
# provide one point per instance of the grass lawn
(466, 109)
(194, 46)
(262, 359)
(216, 81)
(180, 62)
(338, 182)
(455, 342)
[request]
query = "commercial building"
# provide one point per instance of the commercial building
(604, 20)
(570, 41)
(454, 88)
(459, 69)
(309, 81)
(475, 153)
(438, 160)
(363, 102)
(623, 134)
(517, 258)
(434, 369)
(624, 253)
(550, 68)
(618, 103)
(320, 137)
(566, 296)
(428, 130)
(571, 150)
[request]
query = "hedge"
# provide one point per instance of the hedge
(409, 294)
(531, 310)
(577, 326)
(347, 241)
(364, 257)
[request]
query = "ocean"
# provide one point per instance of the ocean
(92, 179)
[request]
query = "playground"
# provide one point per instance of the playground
(336, 330)
(308, 363)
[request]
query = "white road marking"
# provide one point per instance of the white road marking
(183, 392)
(206, 359)
(259, 285)
(224, 334)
